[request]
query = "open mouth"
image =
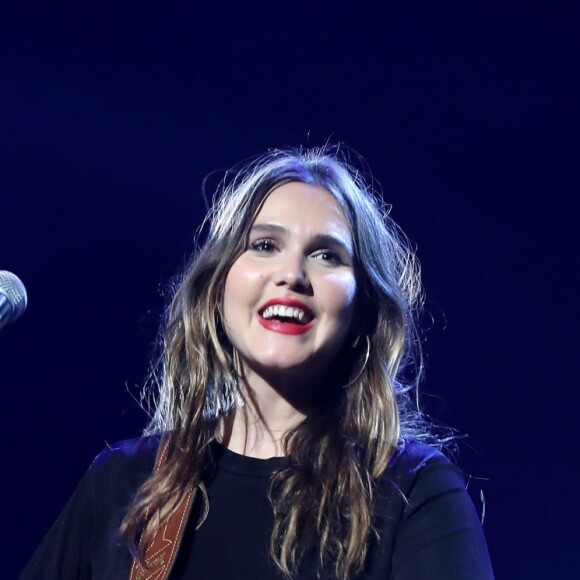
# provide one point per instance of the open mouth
(286, 319)
(288, 314)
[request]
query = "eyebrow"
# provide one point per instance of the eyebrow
(318, 239)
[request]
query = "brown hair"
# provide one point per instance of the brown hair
(326, 490)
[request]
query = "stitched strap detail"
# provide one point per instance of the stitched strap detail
(161, 553)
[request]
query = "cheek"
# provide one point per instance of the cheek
(241, 287)
(231, 292)
(341, 296)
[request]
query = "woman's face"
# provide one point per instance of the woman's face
(289, 297)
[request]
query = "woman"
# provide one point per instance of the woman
(285, 441)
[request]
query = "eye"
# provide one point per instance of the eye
(263, 246)
(330, 256)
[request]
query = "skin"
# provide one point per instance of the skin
(299, 248)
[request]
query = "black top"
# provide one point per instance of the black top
(427, 524)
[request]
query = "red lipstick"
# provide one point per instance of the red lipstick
(287, 327)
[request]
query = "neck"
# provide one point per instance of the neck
(258, 428)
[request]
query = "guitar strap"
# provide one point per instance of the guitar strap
(161, 553)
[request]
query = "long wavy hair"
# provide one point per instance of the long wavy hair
(324, 493)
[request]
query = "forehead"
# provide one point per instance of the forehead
(303, 206)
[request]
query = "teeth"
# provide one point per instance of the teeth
(284, 311)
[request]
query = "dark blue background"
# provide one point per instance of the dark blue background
(112, 114)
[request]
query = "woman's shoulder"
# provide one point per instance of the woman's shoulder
(420, 468)
(130, 456)
(412, 455)
(418, 453)
(426, 512)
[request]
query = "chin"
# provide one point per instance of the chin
(283, 365)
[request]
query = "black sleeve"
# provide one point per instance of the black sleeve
(64, 551)
(440, 536)
(85, 542)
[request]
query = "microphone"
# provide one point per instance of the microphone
(13, 298)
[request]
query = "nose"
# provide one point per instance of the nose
(292, 272)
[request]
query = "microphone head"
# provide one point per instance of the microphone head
(13, 289)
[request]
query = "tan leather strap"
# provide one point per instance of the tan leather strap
(161, 553)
